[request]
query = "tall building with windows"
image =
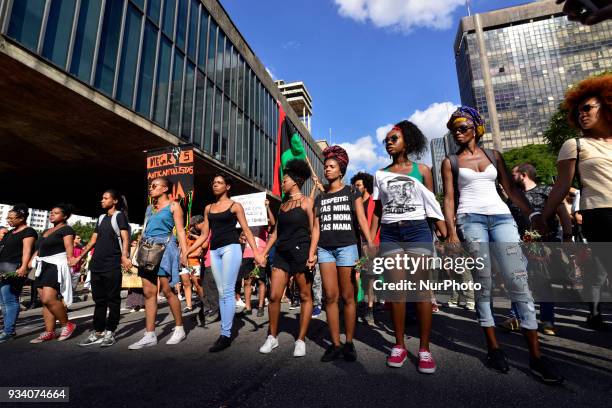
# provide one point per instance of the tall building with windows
(299, 98)
(438, 153)
(89, 85)
(534, 54)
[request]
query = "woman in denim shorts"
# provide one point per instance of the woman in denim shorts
(484, 223)
(403, 192)
(334, 245)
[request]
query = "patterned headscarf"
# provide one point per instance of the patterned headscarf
(338, 154)
(469, 114)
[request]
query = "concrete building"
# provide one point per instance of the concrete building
(438, 153)
(89, 85)
(38, 219)
(299, 98)
(533, 54)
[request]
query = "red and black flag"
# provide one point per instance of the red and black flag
(288, 146)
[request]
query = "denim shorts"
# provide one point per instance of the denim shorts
(409, 235)
(342, 256)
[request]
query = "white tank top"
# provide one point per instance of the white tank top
(477, 192)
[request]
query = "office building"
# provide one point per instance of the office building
(299, 98)
(533, 54)
(89, 85)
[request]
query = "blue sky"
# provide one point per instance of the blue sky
(366, 63)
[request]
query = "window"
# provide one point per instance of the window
(109, 42)
(193, 29)
(220, 53)
(174, 123)
(234, 74)
(168, 23)
(58, 31)
(26, 17)
(161, 88)
(181, 24)
(203, 39)
(232, 139)
(239, 147)
(225, 132)
(208, 117)
(188, 100)
(85, 39)
(129, 56)
(199, 108)
(217, 126)
(240, 97)
(153, 10)
(227, 64)
(212, 51)
(145, 82)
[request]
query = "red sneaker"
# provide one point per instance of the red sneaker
(67, 331)
(44, 336)
(434, 308)
(398, 356)
(427, 365)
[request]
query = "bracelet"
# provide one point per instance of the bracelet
(533, 214)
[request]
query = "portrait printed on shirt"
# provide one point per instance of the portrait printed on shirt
(402, 193)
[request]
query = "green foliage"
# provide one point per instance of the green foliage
(85, 231)
(538, 155)
(559, 130)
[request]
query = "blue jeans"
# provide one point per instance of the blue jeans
(9, 298)
(547, 311)
(409, 235)
(500, 229)
(341, 256)
(225, 264)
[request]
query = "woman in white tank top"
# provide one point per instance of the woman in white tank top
(484, 221)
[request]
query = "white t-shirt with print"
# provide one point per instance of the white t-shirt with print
(400, 197)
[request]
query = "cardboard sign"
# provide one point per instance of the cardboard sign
(254, 208)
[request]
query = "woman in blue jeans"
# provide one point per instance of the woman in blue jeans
(484, 223)
(220, 220)
(16, 249)
(334, 243)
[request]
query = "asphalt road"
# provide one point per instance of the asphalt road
(187, 375)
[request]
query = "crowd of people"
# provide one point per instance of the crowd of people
(319, 241)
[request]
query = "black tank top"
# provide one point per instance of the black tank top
(292, 228)
(223, 228)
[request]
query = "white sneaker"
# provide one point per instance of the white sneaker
(300, 349)
(177, 336)
(181, 297)
(240, 303)
(270, 344)
(149, 339)
(470, 306)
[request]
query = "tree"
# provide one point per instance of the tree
(85, 231)
(539, 156)
(559, 130)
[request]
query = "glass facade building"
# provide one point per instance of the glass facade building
(534, 55)
(170, 62)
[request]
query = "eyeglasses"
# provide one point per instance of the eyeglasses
(154, 186)
(393, 139)
(462, 129)
(586, 108)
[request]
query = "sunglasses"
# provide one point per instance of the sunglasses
(586, 108)
(393, 139)
(462, 129)
(154, 186)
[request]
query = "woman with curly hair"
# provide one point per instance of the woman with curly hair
(484, 221)
(292, 238)
(404, 200)
(589, 159)
(334, 243)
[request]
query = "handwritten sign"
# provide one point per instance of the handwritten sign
(254, 208)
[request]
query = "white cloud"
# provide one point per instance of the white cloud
(364, 155)
(271, 73)
(432, 121)
(291, 45)
(403, 15)
(381, 132)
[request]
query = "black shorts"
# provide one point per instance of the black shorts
(292, 261)
(48, 277)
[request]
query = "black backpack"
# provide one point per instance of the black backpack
(454, 162)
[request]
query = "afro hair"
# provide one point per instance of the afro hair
(298, 170)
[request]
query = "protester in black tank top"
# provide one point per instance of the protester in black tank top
(292, 238)
(220, 220)
(16, 249)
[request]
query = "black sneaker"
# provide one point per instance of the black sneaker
(260, 312)
(201, 317)
(496, 359)
(331, 353)
(349, 352)
(247, 312)
(369, 316)
(221, 344)
(545, 370)
(294, 304)
(596, 323)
